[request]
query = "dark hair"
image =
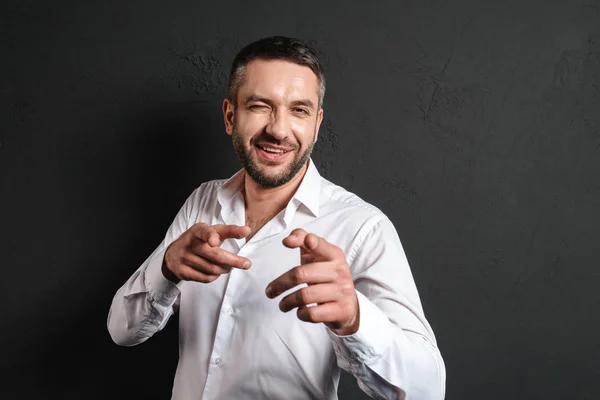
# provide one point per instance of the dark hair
(275, 48)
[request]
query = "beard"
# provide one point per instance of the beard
(252, 167)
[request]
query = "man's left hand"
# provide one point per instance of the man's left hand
(324, 269)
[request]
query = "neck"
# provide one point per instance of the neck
(270, 201)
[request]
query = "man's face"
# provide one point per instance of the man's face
(276, 121)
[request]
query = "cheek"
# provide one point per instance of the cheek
(249, 126)
(304, 131)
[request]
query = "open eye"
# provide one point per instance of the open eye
(301, 111)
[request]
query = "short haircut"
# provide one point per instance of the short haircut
(275, 48)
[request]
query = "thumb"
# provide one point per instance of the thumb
(295, 239)
(315, 247)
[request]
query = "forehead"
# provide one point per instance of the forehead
(279, 80)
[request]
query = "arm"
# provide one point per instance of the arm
(144, 304)
(394, 353)
(372, 311)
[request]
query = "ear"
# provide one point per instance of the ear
(318, 125)
(228, 115)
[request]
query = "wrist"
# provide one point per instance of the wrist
(350, 328)
(167, 273)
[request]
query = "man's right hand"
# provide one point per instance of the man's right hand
(196, 255)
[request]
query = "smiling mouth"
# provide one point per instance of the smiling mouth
(272, 153)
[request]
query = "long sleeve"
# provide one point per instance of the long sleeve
(394, 354)
(144, 304)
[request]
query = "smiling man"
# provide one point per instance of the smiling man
(279, 276)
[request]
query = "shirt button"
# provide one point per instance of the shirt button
(229, 311)
(219, 361)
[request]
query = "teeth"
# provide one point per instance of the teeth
(272, 150)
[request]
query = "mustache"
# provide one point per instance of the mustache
(268, 139)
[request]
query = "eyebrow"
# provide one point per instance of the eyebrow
(305, 102)
(254, 97)
(302, 102)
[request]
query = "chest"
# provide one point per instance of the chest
(260, 349)
(228, 314)
(256, 222)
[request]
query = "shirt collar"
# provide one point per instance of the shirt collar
(227, 192)
(309, 190)
(306, 194)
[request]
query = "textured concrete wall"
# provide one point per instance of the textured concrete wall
(474, 125)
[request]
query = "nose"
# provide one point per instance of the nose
(278, 125)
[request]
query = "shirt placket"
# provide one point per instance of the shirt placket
(220, 355)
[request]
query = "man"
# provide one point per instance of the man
(276, 237)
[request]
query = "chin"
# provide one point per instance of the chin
(273, 173)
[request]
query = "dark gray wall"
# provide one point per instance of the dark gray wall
(473, 125)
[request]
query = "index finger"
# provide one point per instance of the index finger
(215, 235)
(313, 244)
(232, 231)
(207, 234)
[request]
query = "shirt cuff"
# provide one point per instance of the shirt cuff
(161, 290)
(372, 338)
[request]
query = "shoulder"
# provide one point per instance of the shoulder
(206, 190)
(352, 221)
(348, 210)
(209, 188)
(335, 198)
(203, 198)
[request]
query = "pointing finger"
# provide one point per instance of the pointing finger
(232, 231)
(312, 246)
(295, 239)
(321, 248)
(216, 234)
(208, 234)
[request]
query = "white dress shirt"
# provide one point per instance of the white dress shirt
(235, 343)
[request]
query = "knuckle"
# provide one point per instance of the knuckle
(311, 314)
(212, 269)
(298, 274)
(184, 274)
(283, 305)
(203, 249)
(208, 232)
(205, 232)
(185, 258)
(297, 231)
(347, 289)
(219, 257)
(347, 308)
(307, 258)
(198, 228)
(342, 270)
(305, 296)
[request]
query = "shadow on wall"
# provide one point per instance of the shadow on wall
(136, 180)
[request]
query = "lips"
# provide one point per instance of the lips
(272, 152)
(273, 148)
